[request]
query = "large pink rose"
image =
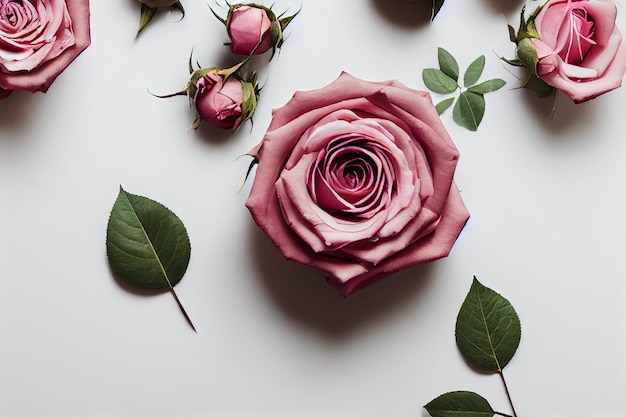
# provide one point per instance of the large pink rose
(356, 179)
(580, 49)
(38, 40)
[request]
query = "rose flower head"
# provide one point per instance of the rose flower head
(254, 29)
(38, 40)
(573, 46)
(221, 97)
(356, 180)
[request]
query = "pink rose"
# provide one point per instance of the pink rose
(38, 40)
(248, 27)
(579, 49)
(356, 179)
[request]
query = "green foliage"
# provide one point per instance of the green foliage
(437, 81)
(459, 404)
(474, 71)
(469, 109)
(487, 333)
(444, 104)
(488, 329)
(147, 244)
(448, 64)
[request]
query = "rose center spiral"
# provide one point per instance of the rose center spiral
(351, 179)
(579, 37)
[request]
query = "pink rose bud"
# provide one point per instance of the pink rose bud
(573, 46)
(254, 29)
(222, 97)
(249, 29)
(38, 40)
(219, 102)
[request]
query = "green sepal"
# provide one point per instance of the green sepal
(539, 87)
(253, 163)
(220, 18)
(251, 94)
(179, 6)
(527, 54)
(147, 13)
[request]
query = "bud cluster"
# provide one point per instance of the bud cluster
(226, 98)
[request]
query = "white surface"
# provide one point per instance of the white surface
(547, 199)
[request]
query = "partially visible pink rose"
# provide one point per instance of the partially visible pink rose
(38, 40)
(356, 180)
(580, 50)
(249, 29)
(219, 102)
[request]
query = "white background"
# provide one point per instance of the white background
(547, 199)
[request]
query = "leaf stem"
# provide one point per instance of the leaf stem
(502, 414)
(182, 309)
(508, 394)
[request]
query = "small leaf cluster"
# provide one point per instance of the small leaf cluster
(469, 109)
(488, 333)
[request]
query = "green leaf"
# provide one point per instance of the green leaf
(443, 105)
(469, 110)
(488, 330)
(147, 244)
(438, 82)
(474, 71)
(437, 6)
(147, 13)
(487, 86)
(459, 404)
(447, 64)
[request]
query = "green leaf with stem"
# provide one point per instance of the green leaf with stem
(469, 110)
(487, 86)
(460, 404)
(147, 245)
(447, 64)
(443, 105)
(474, 71)
(438, 82)
(488, 330)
